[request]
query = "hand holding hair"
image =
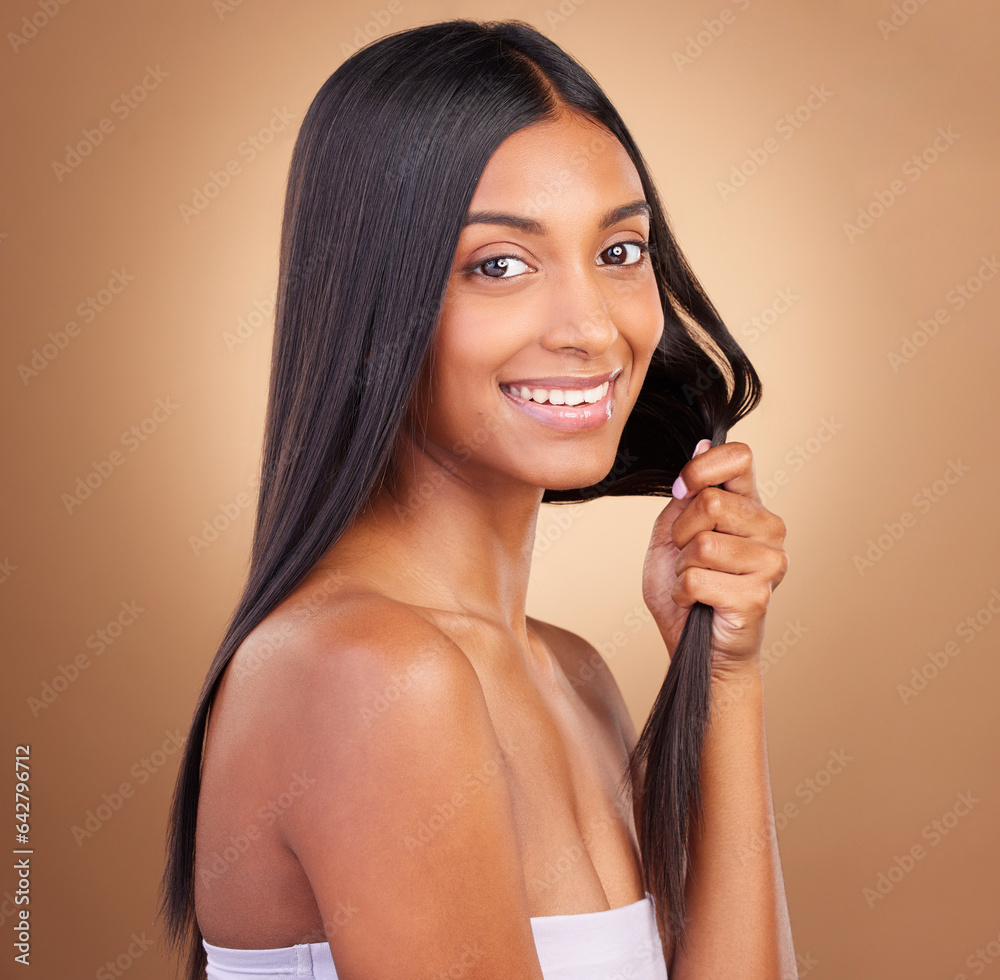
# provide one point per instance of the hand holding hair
(715, 555)
(716, 543)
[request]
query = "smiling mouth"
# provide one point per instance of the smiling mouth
(568, 409)
(558, 396)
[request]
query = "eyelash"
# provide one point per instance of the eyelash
(645, 250)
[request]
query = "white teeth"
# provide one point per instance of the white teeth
(560, 396)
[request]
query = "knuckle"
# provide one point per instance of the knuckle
(712, 501)
(704, 545)
(782, 563)
(761, 599)
(743, 452)
(684, 583)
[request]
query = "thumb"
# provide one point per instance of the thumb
(679, 500)
(679, 489)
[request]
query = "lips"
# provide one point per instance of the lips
(563, 381)
(561, 415)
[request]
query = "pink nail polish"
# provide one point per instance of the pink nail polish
(679, 489)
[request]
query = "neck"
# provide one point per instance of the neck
(450, 539)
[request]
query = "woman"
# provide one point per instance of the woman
(480, 309)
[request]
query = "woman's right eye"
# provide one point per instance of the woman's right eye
(499, 266)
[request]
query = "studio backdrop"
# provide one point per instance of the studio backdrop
(830, 170)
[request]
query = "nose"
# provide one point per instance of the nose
(580, 316)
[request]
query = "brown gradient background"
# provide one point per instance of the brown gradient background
(832, 688)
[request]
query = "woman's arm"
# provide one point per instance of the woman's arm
(716, 543)
(736, 904)
(738, 922)
(408, 822)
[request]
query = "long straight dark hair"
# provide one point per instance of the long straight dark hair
(382, 174)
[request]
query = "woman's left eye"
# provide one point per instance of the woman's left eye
(619, 253)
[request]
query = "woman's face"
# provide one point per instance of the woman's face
(551, 315)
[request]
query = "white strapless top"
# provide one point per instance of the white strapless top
(607, 945)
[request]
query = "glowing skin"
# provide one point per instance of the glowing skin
(567, 308)
(445, 563)
(550, 288)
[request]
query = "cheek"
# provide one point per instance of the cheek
(642, 324)
(476, 337)
(462, 384)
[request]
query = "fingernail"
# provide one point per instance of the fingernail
(679, 489)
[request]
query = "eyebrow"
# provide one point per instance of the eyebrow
(532, 226)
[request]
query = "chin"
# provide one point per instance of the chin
(572, 477)
(571, 484)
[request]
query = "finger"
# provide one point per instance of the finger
(729, 465)
(661, 533)
(731, 554)
(729, 513)
(746, 596)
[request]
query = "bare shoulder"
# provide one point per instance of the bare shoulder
(404, 818)
(355, 671)
(588, 672)
(342, 642)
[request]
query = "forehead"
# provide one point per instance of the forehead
(559, 164)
